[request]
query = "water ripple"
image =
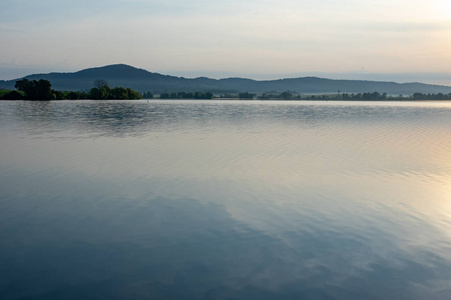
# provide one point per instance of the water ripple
(213, 199)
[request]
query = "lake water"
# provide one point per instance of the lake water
(225, 200)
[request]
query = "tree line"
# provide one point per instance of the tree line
(379, 96)
(187, 95)
(439, 96)
(292, 95)
(179, 95)
(287, 95)
(42, 90)
(196, 95)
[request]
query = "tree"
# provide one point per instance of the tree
(148, 95)
(200, 95)
(24, 85)
(246, 95)
(13, 95)
(286, 96)
(35, 90)
(118, 93)
(73, 96)
(43, 90)
(101, 90)
(100, 84)
(132, 94)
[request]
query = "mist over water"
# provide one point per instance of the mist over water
(225, 199)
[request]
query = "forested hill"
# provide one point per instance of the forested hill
(143, 81)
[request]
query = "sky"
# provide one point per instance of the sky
(396, 40)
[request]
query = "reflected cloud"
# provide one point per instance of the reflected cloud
(225, 199)
(165, 248)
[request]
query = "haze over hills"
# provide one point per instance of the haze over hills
(143, 81)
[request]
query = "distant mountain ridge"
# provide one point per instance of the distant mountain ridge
(144, 81)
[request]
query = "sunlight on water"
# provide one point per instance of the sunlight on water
(225, 199)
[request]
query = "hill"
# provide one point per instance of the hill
(143, 81)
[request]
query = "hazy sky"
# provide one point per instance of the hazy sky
(252, 38)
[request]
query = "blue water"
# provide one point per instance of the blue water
(225, 200)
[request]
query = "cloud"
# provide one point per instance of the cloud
(234, 36)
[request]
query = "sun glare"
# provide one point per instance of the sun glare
(444, 7)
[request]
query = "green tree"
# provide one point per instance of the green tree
(118, 93)
(286, 96)
(100, 84)
(133, 94)
(100, 94)
(246, 95)
(44, 90)
(148, 95)
(24, 85)
(13, 95)
(35, 90)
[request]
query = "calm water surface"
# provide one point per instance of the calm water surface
(209, 199)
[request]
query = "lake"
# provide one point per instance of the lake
(225, 200)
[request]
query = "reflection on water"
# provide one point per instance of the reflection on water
(260, 200)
